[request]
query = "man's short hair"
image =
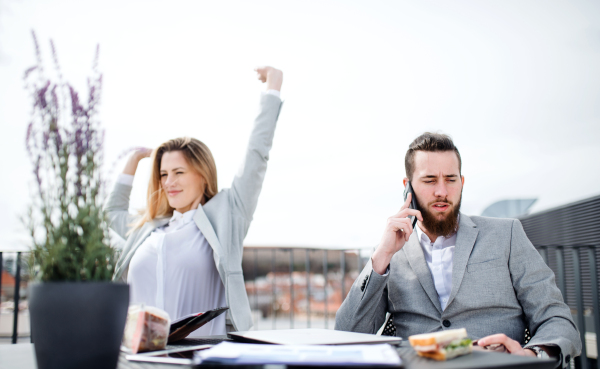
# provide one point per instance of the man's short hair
(428, 142)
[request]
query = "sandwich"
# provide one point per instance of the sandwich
(146, 329)
(442, 345)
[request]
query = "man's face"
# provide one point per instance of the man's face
(437, 184)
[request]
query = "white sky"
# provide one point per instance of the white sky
(515, 83)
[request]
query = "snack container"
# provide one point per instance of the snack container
(146, 329)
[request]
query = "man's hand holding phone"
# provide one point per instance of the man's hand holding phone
(397, 231)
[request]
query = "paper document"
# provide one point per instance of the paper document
(233, 353)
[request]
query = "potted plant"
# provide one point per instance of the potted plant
(77, 313)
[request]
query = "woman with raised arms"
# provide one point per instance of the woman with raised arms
(184, 255)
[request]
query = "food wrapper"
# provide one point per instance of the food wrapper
(146, 329)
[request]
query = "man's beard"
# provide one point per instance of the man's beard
(444, 227)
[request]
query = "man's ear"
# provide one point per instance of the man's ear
(462, 178)
(405, 181)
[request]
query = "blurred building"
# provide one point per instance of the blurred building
(509, 208)
(299, 281)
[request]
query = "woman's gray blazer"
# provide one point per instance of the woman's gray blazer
(224, 220)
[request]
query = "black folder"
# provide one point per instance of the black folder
(182, 327)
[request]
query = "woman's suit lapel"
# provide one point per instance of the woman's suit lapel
(134, 242)
(208, 231)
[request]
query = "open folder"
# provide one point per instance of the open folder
(183, 326)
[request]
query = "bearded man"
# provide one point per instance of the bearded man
(456, 271)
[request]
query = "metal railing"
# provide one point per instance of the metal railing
(17, 293)
(576, 270)
(575, 267)
(333, 265)
(280, 270)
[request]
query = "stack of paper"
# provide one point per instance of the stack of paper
(232, 353)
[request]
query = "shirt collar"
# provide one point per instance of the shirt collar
(424, 239)
(420, 234)
(184, 218)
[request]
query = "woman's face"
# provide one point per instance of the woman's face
(183, 186)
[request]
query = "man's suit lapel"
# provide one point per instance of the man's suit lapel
(465, 240)
(414, 254)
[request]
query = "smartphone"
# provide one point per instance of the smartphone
(414, 204)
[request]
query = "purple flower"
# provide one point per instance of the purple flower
(65, 143)
(28, 138)
(75, 107)
(41, 95)
(36, 172)
(29, 70)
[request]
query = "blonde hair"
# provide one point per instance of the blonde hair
(198, 156)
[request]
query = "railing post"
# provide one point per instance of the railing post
(291, 288)
(256, 287)
(1, 264)
(273, 287)
(544, 253)
(560, 260)
(325, 288)
(595, 303)
(343, 267)
(307, 288)
(16, 299)
(579, 299)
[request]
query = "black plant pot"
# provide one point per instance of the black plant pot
(77, 324)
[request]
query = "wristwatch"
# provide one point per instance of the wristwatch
(541, 354)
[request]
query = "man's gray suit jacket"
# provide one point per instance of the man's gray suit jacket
(500, 284)
(224, 220)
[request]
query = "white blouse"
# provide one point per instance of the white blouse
(174, 270)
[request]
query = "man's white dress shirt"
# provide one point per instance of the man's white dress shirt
(439, 256)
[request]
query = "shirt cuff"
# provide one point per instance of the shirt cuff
(126, 179)
(385, 274)
(273, 92)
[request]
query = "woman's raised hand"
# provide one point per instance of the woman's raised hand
(138, 154)
(142, 152)
(271, 76)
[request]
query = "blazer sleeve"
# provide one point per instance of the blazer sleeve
(247, 183)
(117, 209)
(548, 317)
(365, 307)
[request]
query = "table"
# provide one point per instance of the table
(22, 356)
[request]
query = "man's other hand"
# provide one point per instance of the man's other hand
(397, 231)
(512, 346)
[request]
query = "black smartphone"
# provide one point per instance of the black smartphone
(414, 204)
